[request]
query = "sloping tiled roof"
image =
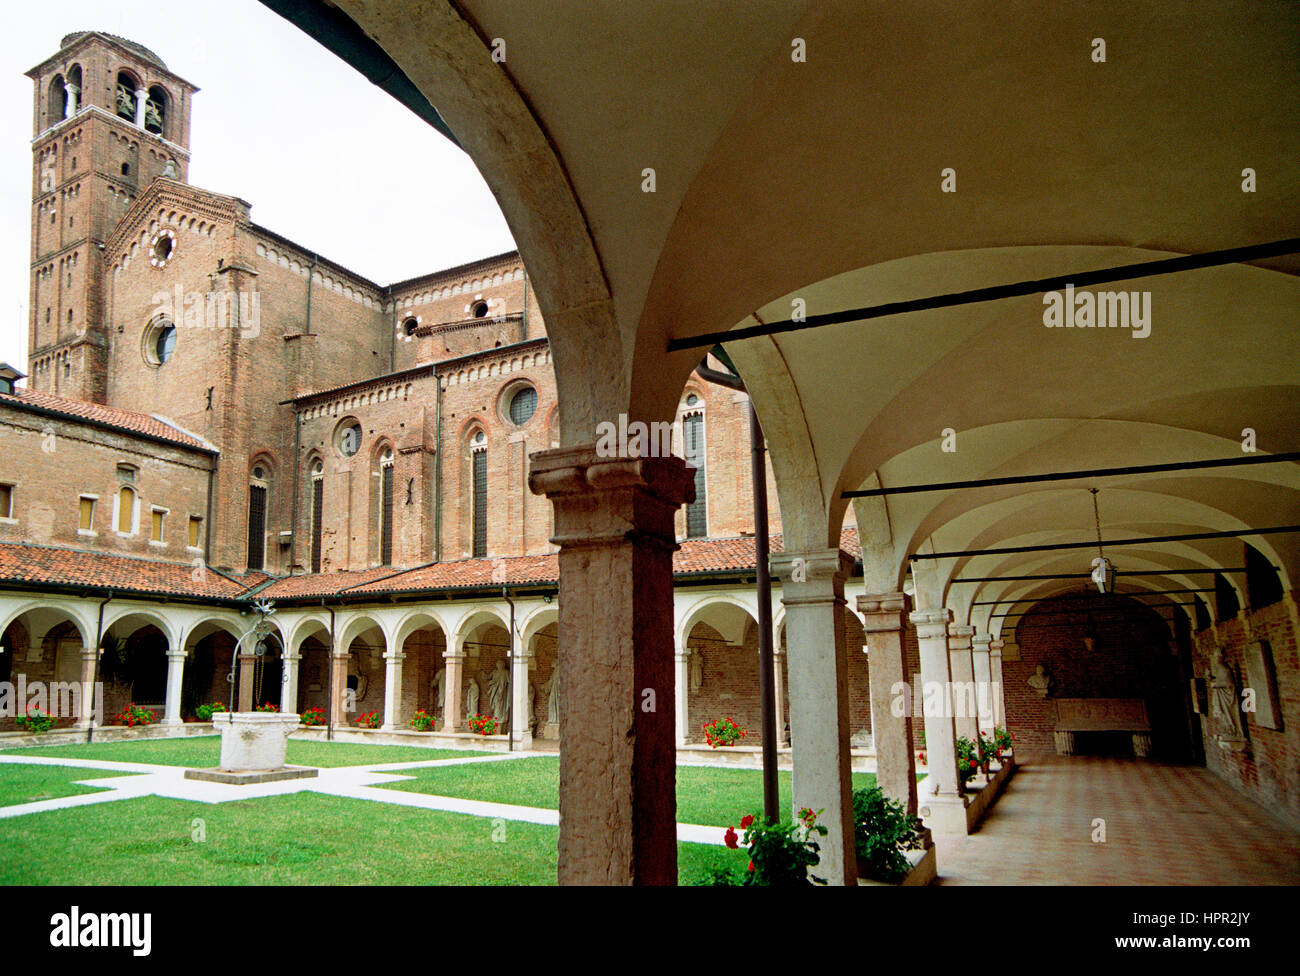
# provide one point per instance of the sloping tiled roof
(127, 421)
(27, 563)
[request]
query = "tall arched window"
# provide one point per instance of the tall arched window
(258, 485)
(1263, 585)
(56, 108)
(386, 508)
(155, 111)
(125, 100)
(697, 521)
(317, 505)
(478, 493)
(126, 510)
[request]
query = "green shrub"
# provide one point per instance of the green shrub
(204, 712)
(35, 721)
(882, 831)
(780, 854)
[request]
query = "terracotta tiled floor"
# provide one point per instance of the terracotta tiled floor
(1164, 825)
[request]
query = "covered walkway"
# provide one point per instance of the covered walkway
(1163, 825)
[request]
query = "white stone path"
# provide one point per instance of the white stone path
(356, 782)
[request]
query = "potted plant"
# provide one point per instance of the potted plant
(312, 716)
(882, 833)
(35, 721)
(483, 725)
(967, 760)
(421, 721)
(780, 854)
(723, 732)
(204, 712)
(1003, 740)
(266, 707)
(370, 720)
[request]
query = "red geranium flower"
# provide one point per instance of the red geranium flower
(746, 821)
(729, 838)
(751, 865)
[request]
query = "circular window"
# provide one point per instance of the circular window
(692, 400)
(479, 310)
(349, 438)
(522, 406)
(159, 341)
(259, 473)
(479, 439)
(161, 248)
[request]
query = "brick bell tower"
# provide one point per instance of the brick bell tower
(107, 119)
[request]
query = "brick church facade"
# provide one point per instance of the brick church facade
(254, 419)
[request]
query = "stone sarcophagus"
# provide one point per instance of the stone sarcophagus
(1102, 715)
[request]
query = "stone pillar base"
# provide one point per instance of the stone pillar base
(1141, 745)
(551, 732)
(945, 815)
(1064, 743)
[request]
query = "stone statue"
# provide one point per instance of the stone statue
(1223, 697)
(169, 170)
(440, 687)
(499, 692)
(531, 709)
(471, 698)
(696, 667)
(1041, 681)
(553, 697)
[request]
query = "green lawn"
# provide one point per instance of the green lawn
(205, 750)
(705, 794)
(26, 784)
(301, 839)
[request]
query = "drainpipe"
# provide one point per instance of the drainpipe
(293, 510)
(437, 473)
(523, 329)
(329, 700)
(311, 275)
(766, 682)
(99, 636)
(510, 703)
(207, 525)
(392, 333)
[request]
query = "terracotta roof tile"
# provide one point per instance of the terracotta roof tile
(26, 563)
(128, 421)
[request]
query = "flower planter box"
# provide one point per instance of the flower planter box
(254, 740)
(924, 870)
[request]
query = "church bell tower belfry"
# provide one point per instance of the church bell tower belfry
(108, 118)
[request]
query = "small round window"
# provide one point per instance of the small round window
(479, 310)
(159, 341)
(349, 439)
(523, 405)
(692, 400)
(161, 248)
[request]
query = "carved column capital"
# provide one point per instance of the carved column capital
(882, 611)
(931, 623)
(981, 642)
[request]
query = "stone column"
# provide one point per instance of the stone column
(943, 807)
(521, 726)
(983, 681)
(453, 693)
(140, 95)
(995, 678)
(614, 526)
(339, 678)
(245, 703)
(74, 100)
(892, 703)
(812, 590)
(964, 693)
(289, 681)
(778, 690)
(682, 691)
(393, 717)
(89, 658)
(175, 674)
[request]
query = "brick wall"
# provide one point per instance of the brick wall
(1134, 657)
(1269, 771)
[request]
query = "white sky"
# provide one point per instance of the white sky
(325, 158)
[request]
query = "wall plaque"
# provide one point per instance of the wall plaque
(1262, 679)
